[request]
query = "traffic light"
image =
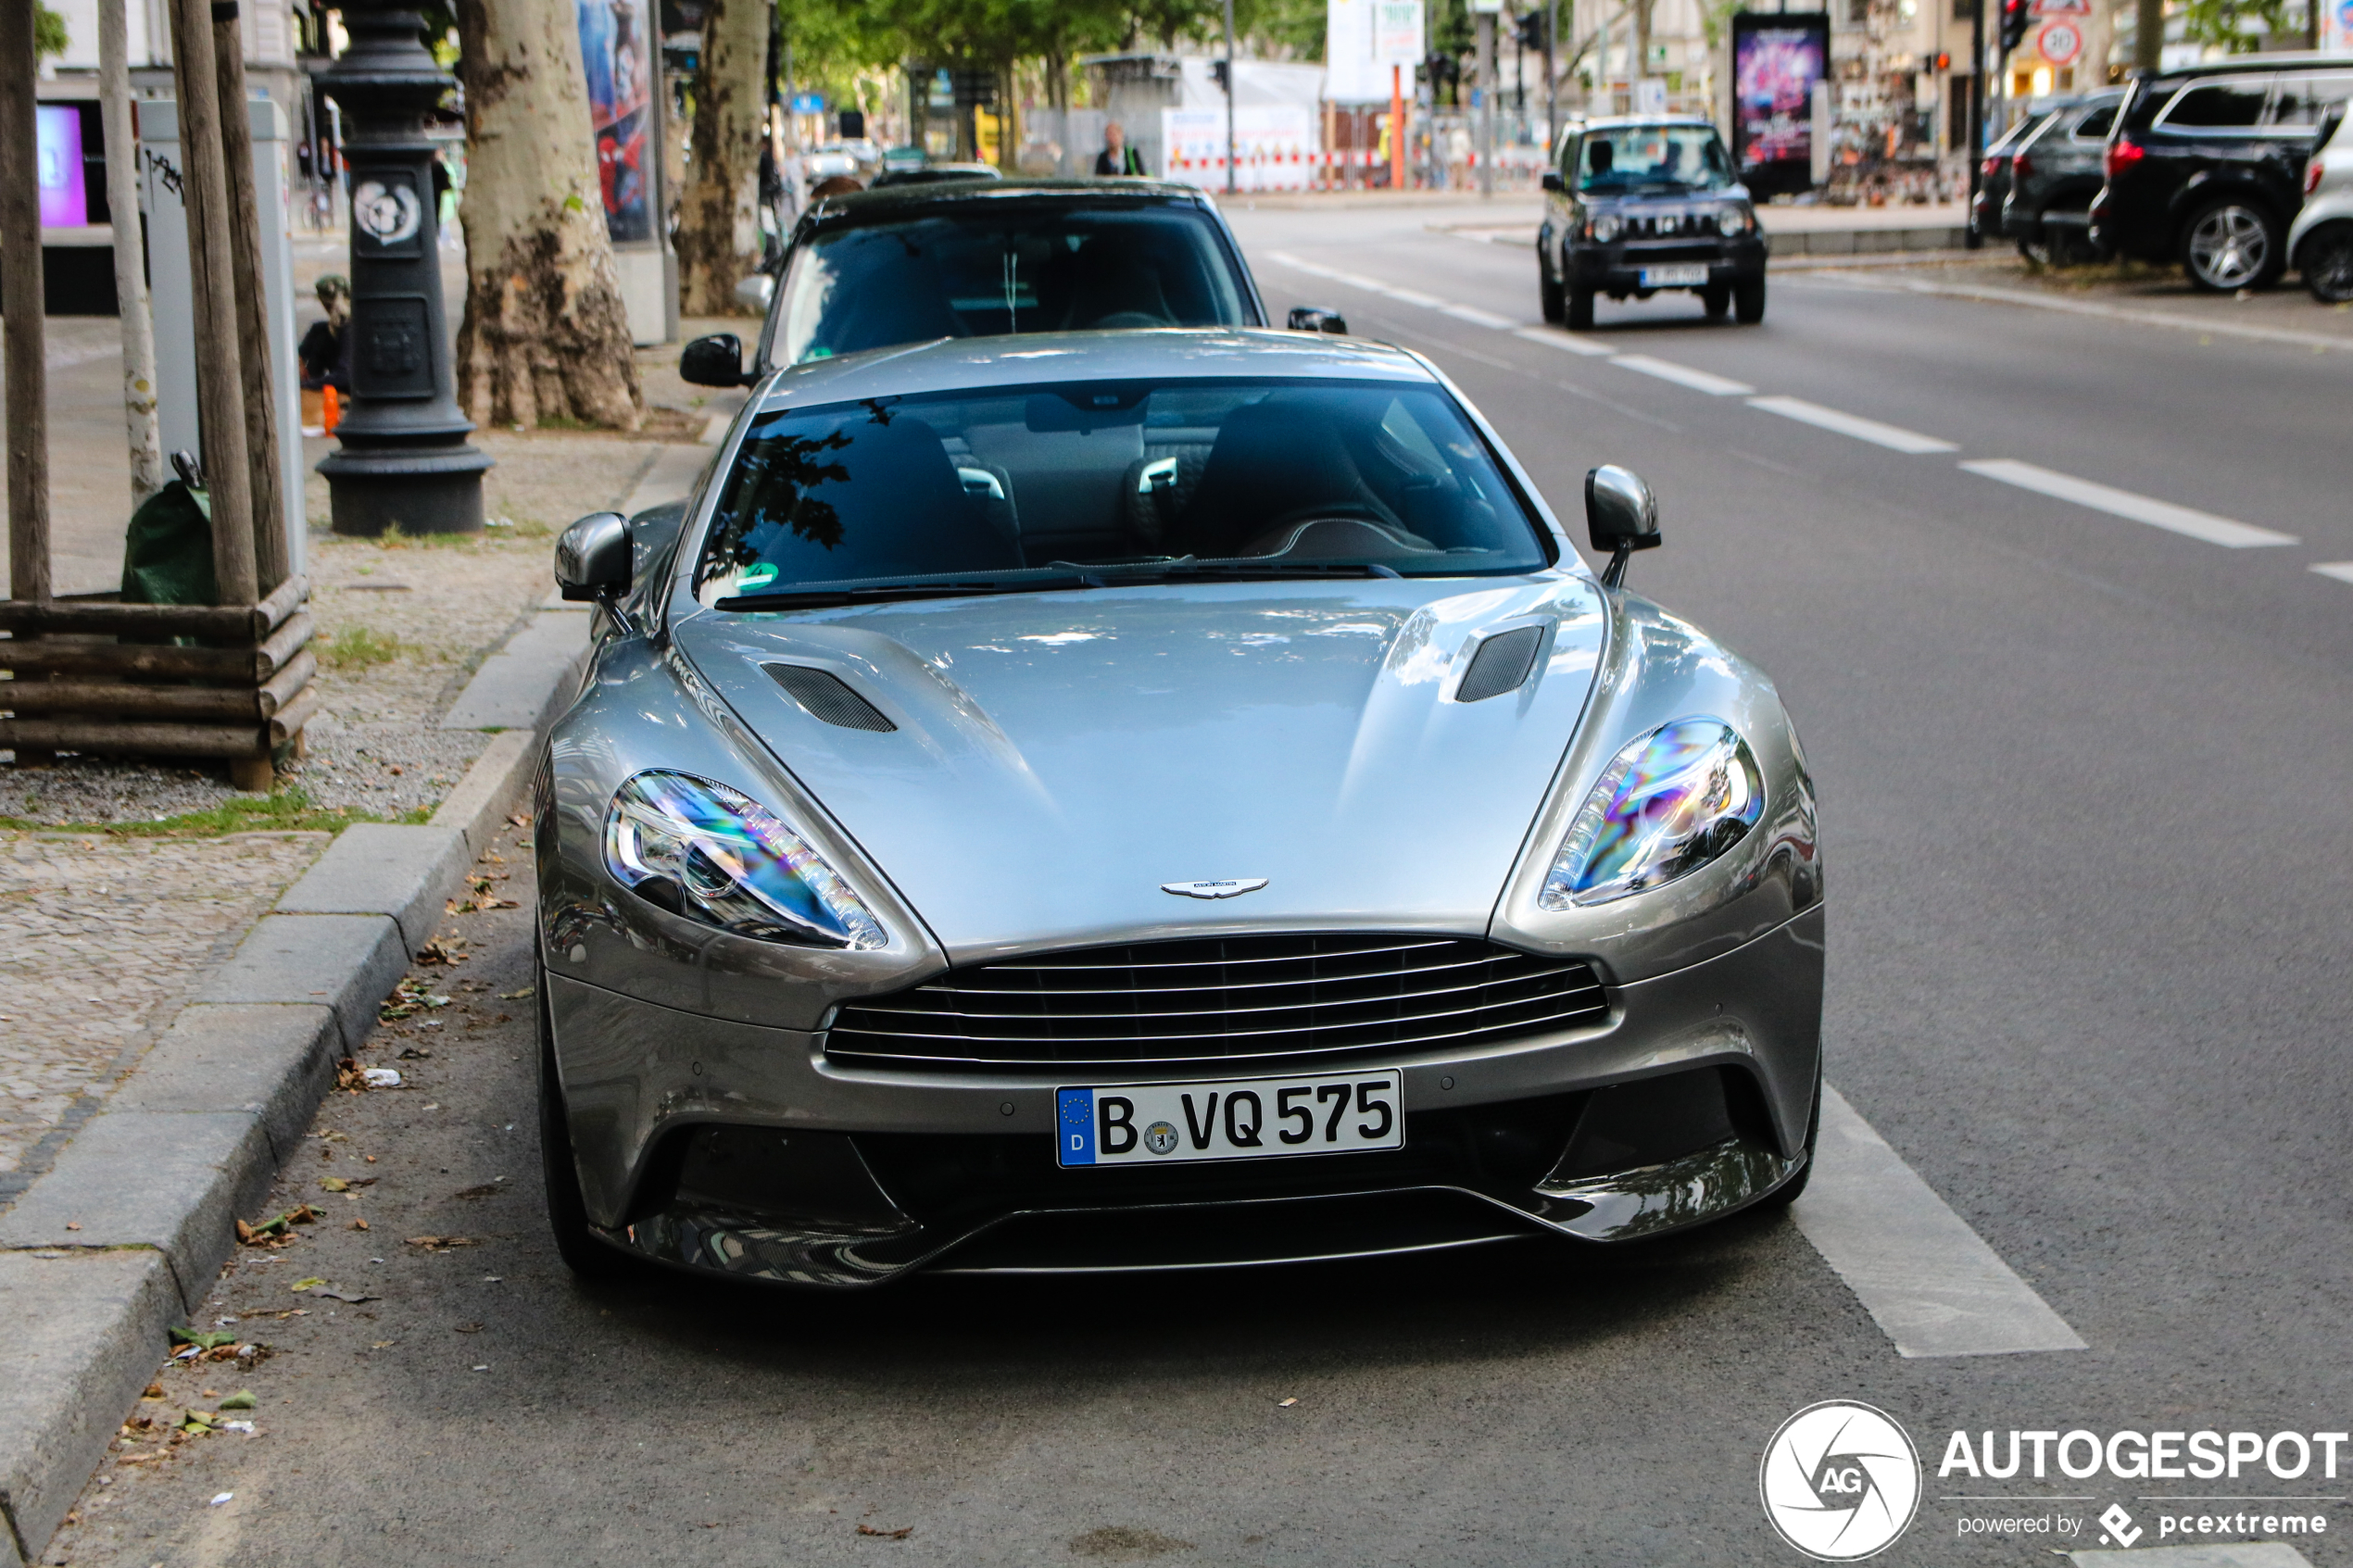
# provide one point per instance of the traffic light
(2014, 20)
(1532, 31)
(1223, 72)
(1943, 63)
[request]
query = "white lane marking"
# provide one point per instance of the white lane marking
(2340, 569)
(1477, 316)
(1894, 437)
(1928, 1281)
(1412, 296)
(2125, 504)
(1683, 375)
(1298, 264)
(2217, 1554)
(1551, 339)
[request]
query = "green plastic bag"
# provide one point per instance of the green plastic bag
(166, 554)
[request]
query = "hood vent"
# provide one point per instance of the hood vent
(827, 696)
(1501, 664)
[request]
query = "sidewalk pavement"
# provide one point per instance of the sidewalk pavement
(122, 1235)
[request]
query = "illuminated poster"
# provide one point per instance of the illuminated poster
(615, 52)
(65, 199)
(1776, 61)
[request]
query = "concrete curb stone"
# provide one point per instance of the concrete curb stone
(347, 962)
(87, 1331)
(381, 869)
(196, 1134)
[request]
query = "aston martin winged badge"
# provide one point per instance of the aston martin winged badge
(1229, 887)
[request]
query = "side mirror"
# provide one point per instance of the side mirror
(592, 558)
(1621, 516)
(1317, 318)
(1551, 181)
(756, 291)
(716, 360)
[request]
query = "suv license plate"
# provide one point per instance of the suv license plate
(1674, 276)
(1246, 1118)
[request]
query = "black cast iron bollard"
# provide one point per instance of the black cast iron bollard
(405, 462)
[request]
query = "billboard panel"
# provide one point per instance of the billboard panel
(1776, 61)
(64, 195)
(615, 52)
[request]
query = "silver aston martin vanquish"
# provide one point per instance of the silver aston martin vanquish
(1149, 799)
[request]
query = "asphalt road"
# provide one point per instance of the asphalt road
(2085, 786)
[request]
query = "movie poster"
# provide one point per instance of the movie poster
(1776, 61)
(616, 51)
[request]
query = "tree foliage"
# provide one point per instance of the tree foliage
(48, 31)
(2239, 27)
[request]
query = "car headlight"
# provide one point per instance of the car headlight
(1605, 227)
(713, 855)
(1667, 805)
(1731, 221)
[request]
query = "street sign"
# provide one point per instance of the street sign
(808, 102)
(2060, 41)
(1396, 33)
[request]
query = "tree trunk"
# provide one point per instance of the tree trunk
(130, 253)
(718, 237)
(546, 338)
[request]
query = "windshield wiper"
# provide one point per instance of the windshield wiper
(1063, 576)
(1233, 570)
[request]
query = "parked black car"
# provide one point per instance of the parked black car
(1993, 176)
(912, 262)
(2205, 164)
(1637, 204)
(2054, 171)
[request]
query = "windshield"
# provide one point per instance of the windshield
(995, 267)
(1652, 157)
(986, 487)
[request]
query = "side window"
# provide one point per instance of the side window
(2303, 100)
(2218, 106)
(2093, 126)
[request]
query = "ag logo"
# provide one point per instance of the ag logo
(1841, 1481)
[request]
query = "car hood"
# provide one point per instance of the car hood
(1058, 756)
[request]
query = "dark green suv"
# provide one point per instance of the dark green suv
(1637, 204)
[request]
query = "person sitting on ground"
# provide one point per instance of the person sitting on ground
(1117, 157)
(325, 351)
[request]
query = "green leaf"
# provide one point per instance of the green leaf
(302, 1284)
(202, 1341)
(242, 1399)
(573, 203)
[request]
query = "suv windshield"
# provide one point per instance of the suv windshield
(991, 267)
(1007, 488)
(1652, 157)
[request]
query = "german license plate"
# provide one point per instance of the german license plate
(1247, 1119)
(1674, 276)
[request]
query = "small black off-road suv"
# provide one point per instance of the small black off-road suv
(1637, 204)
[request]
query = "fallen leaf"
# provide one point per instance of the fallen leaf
(1285, 1404)
(898, 1535)
(329, 1293)
(242, 1399)
(514, 996)
(73, 1224)
(487, 1189)
(357, 1225)
(334, 1184)
(469, 1328)
(206, 1340)
(154, 1391)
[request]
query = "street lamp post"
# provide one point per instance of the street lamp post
(404, 460)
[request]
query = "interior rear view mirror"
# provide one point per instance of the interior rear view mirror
(756, 291)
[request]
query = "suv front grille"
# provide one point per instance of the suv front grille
(1215, 999)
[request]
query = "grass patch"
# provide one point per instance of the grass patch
(287, 808)
(358, 648)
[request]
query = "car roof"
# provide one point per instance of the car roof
(2254, 65)
(1638, 121)
(873, 204)
(1155, 354)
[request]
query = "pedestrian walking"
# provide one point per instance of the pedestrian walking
(1117, 157)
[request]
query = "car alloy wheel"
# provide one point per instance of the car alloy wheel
(2230, 246)
(2328, 264)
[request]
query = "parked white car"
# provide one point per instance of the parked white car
(2322, 241)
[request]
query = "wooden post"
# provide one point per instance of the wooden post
(28, 390)
(148, 474)
(219, 382)
(25, 406)
(270, 564)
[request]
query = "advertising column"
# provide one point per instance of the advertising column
(1776, 61)
(625, 111)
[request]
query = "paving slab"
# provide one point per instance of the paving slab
(525, 682)
(271, 1060)
(86, 1330)
(345, 962)
(172, 1181)
(384, 869)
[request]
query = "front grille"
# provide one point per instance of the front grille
(1652, 255)
(1215, 999)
